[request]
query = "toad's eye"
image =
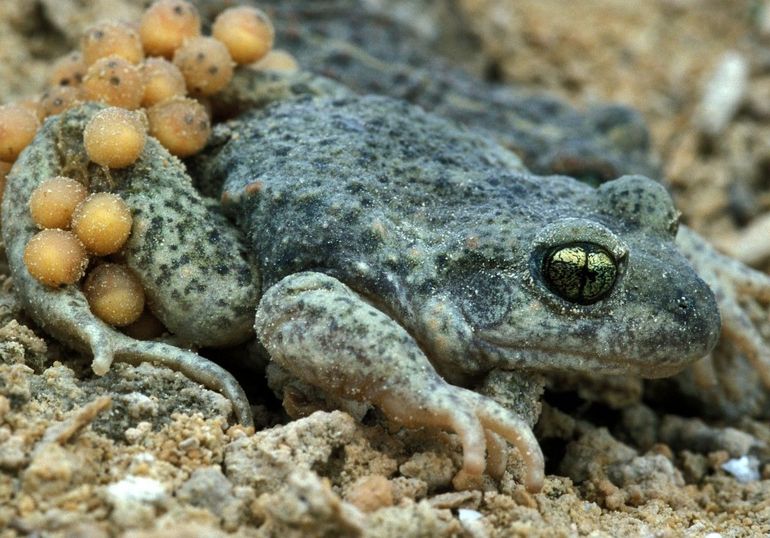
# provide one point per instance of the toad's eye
(581, 273)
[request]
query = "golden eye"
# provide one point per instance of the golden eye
(581, 273)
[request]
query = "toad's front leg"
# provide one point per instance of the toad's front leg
(324, 333)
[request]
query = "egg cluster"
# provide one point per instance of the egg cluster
(76, 225)
(156, 78)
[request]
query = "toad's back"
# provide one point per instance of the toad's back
(424, 218)
(337, 183)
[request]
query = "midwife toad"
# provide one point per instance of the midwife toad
(372, 47)
(388, 253)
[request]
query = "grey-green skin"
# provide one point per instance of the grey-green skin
(371, 51)
(387, 253)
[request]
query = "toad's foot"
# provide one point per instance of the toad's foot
(66, 315)
(327, 335)
(739, 290)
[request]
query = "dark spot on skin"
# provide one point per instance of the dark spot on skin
(156, 223)
(354, 188)
(178, 10)
(115, 81)
(244, 276)
(97, 34)
(112, 64)
(213, 70)
(174, 204)
(321, 164)
(193, 287)
(200, 57)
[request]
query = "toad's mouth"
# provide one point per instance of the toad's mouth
(515, 353)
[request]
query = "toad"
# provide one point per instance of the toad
(390, 256)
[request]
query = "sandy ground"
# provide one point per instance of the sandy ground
(145, 452)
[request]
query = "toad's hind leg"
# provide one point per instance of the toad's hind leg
(192, 267)
(66, 315)
(324, 333)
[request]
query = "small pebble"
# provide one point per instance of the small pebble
(102, 222)
(465, 515)
(114, 137)
(370, 493)
(723, 94)
(55, 257)
(745, 469)
(136, 489)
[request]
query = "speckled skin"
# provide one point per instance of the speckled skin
(394, 254)
(391, 244)
(371, 50)
(423, 218)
